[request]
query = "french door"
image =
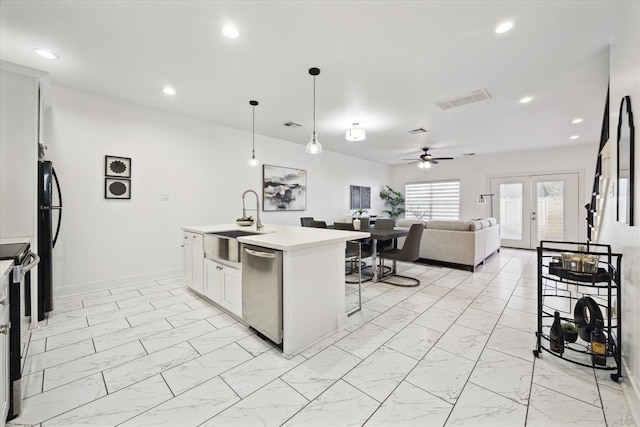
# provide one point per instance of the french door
(537, 207)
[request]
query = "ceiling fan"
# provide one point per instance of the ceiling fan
(426, 159)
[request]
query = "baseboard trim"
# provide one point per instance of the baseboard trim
(113, 283)
(631, 390)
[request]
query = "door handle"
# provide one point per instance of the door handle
(260, 254)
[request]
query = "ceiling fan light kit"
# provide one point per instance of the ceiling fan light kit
(313, 146)
(426, 160)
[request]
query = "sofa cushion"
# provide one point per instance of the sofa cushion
(449, 225)
(407, 223)
(476, 224)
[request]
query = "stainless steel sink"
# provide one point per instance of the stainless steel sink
(224, 245)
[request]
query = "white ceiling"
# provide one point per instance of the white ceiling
(383, 64)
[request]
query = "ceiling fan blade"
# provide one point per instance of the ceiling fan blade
(433, 161)
(442, 158)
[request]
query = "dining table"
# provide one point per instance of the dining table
(382, 235)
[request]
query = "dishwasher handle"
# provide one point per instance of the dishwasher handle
(260, 254)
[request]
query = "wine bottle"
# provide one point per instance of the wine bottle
(598, 345)
(556, 338)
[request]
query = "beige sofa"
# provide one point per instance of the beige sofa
(463, 244)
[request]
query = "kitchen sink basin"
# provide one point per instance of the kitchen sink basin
(234, 234)
(224, 245)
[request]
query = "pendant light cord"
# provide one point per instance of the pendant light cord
(314, 105)
(253, 135)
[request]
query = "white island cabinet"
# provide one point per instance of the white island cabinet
(193, 261)
(313, 283)
(223, 285)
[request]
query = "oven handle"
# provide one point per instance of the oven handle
(32, 259)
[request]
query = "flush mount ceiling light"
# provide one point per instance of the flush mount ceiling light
(574, 137)
(230, 31)
(504, 27)
(576, 120)
(168, 90)
(253, 161)
(355, 134)
(45, 53)
(526, 99)
(314, 147)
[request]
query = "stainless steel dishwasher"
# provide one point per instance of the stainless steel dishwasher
(262, 290)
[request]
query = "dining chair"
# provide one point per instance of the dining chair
(384, 224)
(318, 224)
(410, 252)
(364, 223)
(305, 220)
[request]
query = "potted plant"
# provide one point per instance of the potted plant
(570, 331)
(359, 213)
(395, 201)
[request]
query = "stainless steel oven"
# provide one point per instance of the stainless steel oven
(24, 261)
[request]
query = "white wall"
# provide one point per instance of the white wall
(475, 172)
(202, 166)
(625, 80)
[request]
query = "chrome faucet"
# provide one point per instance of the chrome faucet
(244, 210)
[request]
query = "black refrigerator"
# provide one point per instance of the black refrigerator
(49, 221)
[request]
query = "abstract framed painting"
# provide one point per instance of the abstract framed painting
(119, 167)
(116, 188)
(283, 189)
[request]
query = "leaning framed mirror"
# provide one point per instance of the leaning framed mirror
(625, 162)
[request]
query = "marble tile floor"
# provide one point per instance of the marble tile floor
(456, 350)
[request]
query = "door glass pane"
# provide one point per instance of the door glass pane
(550, 210)
(511, 211)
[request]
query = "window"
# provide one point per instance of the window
(433, 200)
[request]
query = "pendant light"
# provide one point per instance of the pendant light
(314, 147)
(253, 162)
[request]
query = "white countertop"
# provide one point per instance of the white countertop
(5, 267)
(284, 237)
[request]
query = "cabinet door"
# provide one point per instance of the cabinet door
(4, 349)
(187, 260)
(197, 257)
(231, 290)
(213, 277)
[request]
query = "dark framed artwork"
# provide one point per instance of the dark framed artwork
(283, 189)
(117, 188)
(360, 197)
(355, 196)
(625, 162)
(119, 167)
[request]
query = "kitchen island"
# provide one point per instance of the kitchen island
(313, 279)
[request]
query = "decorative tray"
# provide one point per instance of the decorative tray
(601, 275)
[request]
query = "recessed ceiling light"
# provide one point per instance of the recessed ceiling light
(578, 120)
(504, 27)
(45, 53)
(526, 99)
(230, 31)
(168, 90)
(574, 137)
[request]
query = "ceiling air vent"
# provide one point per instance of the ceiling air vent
(292, 125)
(475, 96)
(417, 131)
